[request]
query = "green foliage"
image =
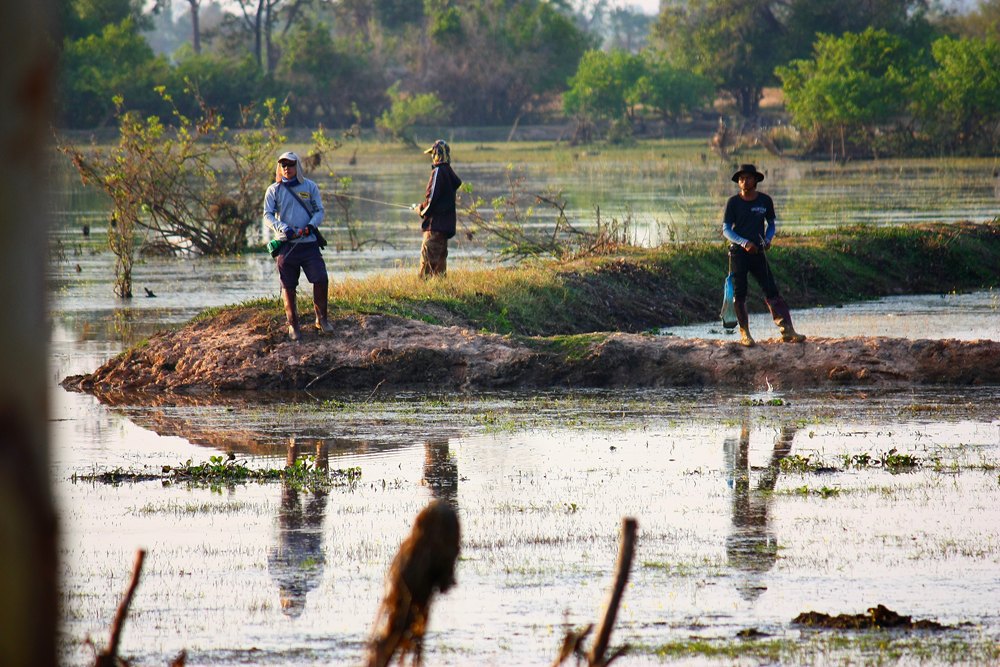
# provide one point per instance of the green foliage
(604, 85)
(854, 84)
(444, 22)
(225, 84)
(81, 18)
(95, 68)
(671, 91)
(329, 79)
(805, 19)
(735, 43)
(192, 186)
(500, 59)
(408, 111)
(958, 103)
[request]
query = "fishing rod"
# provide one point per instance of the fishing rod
(376, 201)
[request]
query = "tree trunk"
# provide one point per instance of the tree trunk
(268, 47)
(28, 531)
(257, 30)
(195, 26)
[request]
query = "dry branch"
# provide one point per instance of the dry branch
(572, 642)
(109, 657)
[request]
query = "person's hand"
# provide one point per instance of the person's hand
(766, 245)
(751, 248)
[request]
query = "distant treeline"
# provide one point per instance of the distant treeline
(860, 78)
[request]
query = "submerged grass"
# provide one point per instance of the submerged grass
(838, 648)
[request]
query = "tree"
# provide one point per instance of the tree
(627, 29)
(81, 18)
(227, 85)
(669, 90)
(735, 43)
(959, 101)
(329, 79)
(195, 26)
(93, 69)
(853, 85)
(194, 186)
(490, 60)
(408, 111)
(806, 19)
(604, 85)
(738, 43)
(983, 22)
(258, 18)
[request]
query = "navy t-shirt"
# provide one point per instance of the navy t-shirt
(747, 218)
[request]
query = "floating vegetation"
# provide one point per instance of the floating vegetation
(755, 402)
(896, 462)
(798, 463)
(822, 492)
(221, 471)
(892, 460)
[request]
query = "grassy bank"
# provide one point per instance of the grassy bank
(637, 290)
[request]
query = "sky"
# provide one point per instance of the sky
(645, 6)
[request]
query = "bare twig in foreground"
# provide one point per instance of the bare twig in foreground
(109, 657)
(425, 564)
(572, 643)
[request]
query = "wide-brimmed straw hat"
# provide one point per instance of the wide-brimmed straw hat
(747, 169)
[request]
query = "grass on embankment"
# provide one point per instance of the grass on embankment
(636, 290)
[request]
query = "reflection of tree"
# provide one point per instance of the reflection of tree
(440, 471)
(296, 561)
(751, 546)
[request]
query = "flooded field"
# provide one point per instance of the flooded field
(667, 191)
(751, 508)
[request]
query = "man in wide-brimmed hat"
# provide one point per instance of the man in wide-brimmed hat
(749, 224)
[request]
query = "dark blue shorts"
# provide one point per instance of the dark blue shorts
(294, 258)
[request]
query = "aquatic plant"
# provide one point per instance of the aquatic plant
(221, 471)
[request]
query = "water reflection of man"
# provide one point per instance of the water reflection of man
(441, 471)
(296, 562)
(751, 546)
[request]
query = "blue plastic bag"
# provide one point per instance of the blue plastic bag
(728, 313)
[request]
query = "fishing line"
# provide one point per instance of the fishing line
(375, 201)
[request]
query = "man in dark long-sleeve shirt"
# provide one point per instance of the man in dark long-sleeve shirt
(438, 211)
(749, 224)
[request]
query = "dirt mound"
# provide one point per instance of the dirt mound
(877, 618)
(243, 350)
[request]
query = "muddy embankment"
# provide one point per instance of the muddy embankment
(442, 344)
(243, 350)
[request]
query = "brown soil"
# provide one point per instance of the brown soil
(246, 349)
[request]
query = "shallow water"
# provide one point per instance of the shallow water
(665, 191)
(971, 316)
(728, 539)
